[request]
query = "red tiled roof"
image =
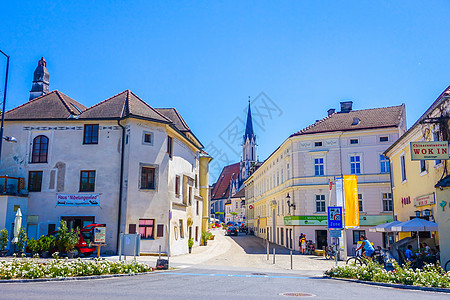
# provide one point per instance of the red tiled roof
(123, 104)
(173, 115)
(54, 105)
(368, 119)
(221, 188)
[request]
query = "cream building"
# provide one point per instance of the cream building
(290, 191)
(120, 162)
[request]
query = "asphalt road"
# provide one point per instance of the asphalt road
(191, 283)
(233, 268)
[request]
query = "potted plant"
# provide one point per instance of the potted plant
(3, 242)
(205, 237)
(34, 246)
(22, 239)
(47, 244)
(67, 239)
(190, 244)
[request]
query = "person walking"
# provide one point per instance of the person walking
(303, 244)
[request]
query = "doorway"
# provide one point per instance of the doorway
(321, 239)
(74, 222)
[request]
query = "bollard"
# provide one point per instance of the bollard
(267, 246)
(159, 251)
(274, 255)
(291, 260)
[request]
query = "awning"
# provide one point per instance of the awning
(385, 227)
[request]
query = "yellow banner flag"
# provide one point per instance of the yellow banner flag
(351, 204)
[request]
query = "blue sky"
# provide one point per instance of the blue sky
(205, 58)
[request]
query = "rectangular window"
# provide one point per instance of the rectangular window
(196, 233)
(180, 221)
(318, 167)
(288, 174)
(146, 229)
(132, 228)
(355, 164)
(387, 202)
(90, 134)
(51, 228)
(160, 230)
(177, 186)
(282, 236)
(34, 181)
(87, 181)
(384, 164)
(190, 196)
(170, 146)
(317, 144)
(354, 141)
(147, 138)
(320, 203)
(403, 167)
(357, 234)
(196, 181)
(147, 178)
(197, 207)
(384, 139)
(436, 137)
(360, 202)
(423, 166)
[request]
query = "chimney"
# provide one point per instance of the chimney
(331, 111)
(346, 106)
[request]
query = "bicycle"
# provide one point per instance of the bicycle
(330, 253)
(357, 260)
(447, 266)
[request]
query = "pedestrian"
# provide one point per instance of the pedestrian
(409, 254)
(303, 244)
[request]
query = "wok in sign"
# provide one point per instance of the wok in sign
(429, 150)
(77, 200)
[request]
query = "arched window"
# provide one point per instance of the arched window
(40, 149)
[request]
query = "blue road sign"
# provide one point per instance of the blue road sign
(335, 217)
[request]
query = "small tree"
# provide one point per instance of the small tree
(3, 239)
(22, 239)
(47, 243)
(34, 245)
(66, 239)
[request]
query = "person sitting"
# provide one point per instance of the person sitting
(409, 254)
(368, 248)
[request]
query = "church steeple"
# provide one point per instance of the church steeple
(249, 126)
(40, 80)
(249, 157)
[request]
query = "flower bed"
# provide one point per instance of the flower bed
(430, 276)
(30, 268)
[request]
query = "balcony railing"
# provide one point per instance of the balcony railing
(12, 185)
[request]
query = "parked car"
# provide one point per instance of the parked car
(84, 246)
(232, 230)
(230, 223)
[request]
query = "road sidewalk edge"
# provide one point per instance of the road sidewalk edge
(394, 285)
(78, 277)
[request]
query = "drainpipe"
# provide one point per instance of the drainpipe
(122, 156)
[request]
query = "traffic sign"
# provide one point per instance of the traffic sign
(335, 233)
(335, 217)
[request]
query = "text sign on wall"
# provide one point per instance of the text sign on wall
(77, 200)
(100, 235)
(429, 150)
(424, 200)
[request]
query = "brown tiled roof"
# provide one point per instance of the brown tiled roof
(54, 105)
(240, 193)
(368, 119)
(221, 188)
(121, 105)
(173, 115)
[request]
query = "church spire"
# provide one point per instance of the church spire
(249, 126)
(40, 80)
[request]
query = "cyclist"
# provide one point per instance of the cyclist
(368, 248)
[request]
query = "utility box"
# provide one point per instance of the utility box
(129, 245)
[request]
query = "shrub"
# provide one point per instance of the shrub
(66, 239)
(47, 243)
(22, 239)
(190, 243)
(3, 239)
(34, 245)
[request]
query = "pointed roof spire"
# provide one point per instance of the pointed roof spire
(249, 126)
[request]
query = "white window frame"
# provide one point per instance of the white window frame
(385, 161)
(322, 199)
(360, 162)
(350, 141)
(403, 167)
(387, 198)
(143, 138)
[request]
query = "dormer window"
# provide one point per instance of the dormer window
(317, 144)
(356, 121)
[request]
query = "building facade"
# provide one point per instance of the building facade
(121, 162)
(290, 191)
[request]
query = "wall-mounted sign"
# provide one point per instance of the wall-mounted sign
(77, 200)
(250, 206)
(424, 200)
(406, 200)
(429, 150)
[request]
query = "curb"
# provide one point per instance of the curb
(76, 278)
(394, 285)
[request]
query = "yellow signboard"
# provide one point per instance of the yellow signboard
(351, 208)
(429, 150)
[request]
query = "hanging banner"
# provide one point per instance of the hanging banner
(77, 200)
(339, 192)
(351, 201)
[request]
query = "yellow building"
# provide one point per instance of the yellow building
(413, 182)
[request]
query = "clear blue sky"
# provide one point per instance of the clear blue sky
(206, 58)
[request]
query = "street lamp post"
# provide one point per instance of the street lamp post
(4, 102)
